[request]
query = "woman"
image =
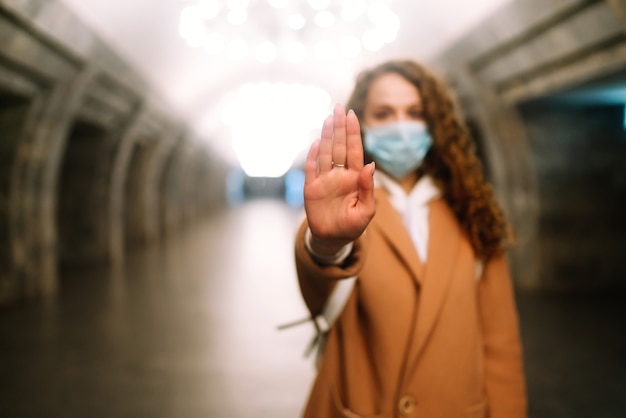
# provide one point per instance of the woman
(430, 328)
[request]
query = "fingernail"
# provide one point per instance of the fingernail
(373, 167)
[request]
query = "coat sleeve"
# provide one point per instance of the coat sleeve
(504, 374)
(316, 281)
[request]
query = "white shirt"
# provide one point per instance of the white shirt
(413, 207)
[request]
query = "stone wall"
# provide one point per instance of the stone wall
(527, 50)
(579, 153)
(84, 145)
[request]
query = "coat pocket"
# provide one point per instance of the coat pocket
(340, 411)
(478, 410)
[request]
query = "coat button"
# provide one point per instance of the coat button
(407, 404)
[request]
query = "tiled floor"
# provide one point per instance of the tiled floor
(189, 330)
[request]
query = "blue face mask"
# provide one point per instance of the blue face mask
(398, 147)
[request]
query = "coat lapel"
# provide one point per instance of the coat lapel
(390, 224)
(443, 246)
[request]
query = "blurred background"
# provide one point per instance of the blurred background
(151, 183)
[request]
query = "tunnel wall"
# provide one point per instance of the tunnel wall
(579, 152)
(527, 50)
(73, 114)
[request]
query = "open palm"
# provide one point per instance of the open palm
(338, 188)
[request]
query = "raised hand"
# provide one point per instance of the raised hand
(338, 188)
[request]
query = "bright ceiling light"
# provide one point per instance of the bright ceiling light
(266, 52)
(237, 4)
(194, 35)
(296, 52)
(273, 124)
(324, 19)
(278, 4)
(237, 49)
(325, 51)
(237, 16)
(228, 116)
(350, 46)
(372, 40)
(388, 27)
(201, 20)
(188, 14)
(244, 90)
(377, 11)
(352, 9)
(319, 4)
(214, 43)
(296, 21)
(190, 27)
(208, 9)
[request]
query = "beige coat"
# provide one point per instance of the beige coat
(416, 340)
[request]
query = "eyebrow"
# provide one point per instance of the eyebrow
(416, 105)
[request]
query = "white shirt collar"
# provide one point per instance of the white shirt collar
(422, 193)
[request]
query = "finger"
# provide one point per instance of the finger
(366, 189)
(310, 166)
(354, 145)
(339, 135)
(325, 157)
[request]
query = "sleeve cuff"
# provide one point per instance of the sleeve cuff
(327, 260)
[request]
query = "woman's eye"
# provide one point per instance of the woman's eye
(381, 115)
(416, 114)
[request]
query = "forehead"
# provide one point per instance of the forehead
(392, 88)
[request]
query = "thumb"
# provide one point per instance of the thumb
(366, 187)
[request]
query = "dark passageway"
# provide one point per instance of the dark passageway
(579, 150)
(82, 205)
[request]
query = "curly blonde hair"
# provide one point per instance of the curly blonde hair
(452, 160)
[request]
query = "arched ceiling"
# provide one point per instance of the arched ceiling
(146, 34)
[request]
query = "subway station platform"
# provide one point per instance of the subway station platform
(189, 330)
